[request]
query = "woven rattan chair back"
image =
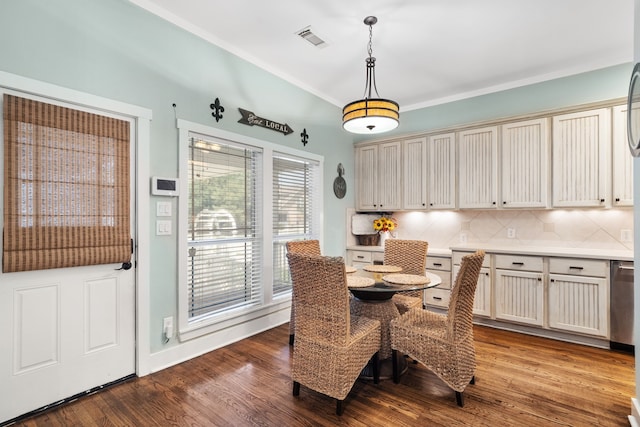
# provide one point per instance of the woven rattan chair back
(411, 255)
(321, 297)
(460, 314)
(306, 247)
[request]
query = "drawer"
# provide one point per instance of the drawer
(579, 267)
(437, 263)
(457, 258)
(361, 256)
(437, 297)
(445, 277)
(519, 262)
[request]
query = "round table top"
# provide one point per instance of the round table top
(383, 290)
(382, 268)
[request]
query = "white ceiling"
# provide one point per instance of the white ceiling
(427, 51)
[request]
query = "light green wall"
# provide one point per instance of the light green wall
(114, 49)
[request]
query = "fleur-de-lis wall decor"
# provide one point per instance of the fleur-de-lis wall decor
(218, 109)
(305, 137)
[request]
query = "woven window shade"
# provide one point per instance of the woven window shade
(66, 187)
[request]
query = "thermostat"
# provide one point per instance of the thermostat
(164, 186)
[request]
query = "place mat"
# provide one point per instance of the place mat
(349, 269)
(381, 268)
(359, 281)
(406, 279)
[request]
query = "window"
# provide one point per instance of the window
(241, 200)
(295, 200)
(66, 187)
(224, 255)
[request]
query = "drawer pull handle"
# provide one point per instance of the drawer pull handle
(437, 298)
(572, 267)
(437, 264)
(360, 256)
(517, 263)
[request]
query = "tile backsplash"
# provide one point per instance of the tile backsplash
(571, 228)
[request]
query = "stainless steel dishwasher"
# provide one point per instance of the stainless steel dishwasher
(621, 306)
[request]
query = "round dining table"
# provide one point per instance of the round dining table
(373, 287)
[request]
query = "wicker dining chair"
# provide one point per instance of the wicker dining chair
(307, 247)
(411, 255)
(332, 347)
(443, 342)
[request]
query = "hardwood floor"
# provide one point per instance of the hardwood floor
(520, 381)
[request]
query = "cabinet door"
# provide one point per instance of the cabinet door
(389, 179)
(622, 160)
(525, 164)
(366, 177)
(519, 297)
(579, 304)
(415, 171)
(478, 163)
(581, 146)
(442, 171)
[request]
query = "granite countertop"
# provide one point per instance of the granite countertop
(608, 254)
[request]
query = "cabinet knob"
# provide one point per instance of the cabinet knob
(617, 199)
(601, 200)
(424, 204)
(504, 203)
(493, 203)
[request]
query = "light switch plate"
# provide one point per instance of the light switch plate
(163, 228)
(163, 209)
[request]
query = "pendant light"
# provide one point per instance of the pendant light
(370, 115)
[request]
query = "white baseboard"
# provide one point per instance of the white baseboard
(634, 418)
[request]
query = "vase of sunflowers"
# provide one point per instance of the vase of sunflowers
(384, 226)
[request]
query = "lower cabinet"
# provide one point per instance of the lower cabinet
(439, 296)
(520, 289)
(483, 297)
(578, 301)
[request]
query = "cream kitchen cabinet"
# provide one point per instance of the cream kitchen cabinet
(379, 177)
(478, 168)
(484, 295)
(439, 296)
(581, 156)
(578, 296)
(525, 162)
(415, 173)
(441, 160)
(519, 289)
(622, 175)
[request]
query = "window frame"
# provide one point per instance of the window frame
(269, 304)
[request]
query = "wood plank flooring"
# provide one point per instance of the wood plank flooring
(520, 381)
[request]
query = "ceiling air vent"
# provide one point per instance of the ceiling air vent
(308, 35)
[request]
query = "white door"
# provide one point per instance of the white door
(65, 330)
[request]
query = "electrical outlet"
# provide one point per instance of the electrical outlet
(167, 327)
(511, 233)
(463, 237)
(626, 235)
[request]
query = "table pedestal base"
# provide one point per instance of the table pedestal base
(386, 369)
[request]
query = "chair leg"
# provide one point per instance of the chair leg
(296, 388)
(339, 407)
(376, 368)
(473, 380)
(291, 339)
(459, 399)
(394, 363)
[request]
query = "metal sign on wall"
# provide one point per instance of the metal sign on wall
(250, 119)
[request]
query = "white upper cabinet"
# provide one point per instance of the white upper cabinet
(441, 155)
(415, 173)
(478, 163)
(379, 177)
(622, 172)
(581, 158)
(525, 164)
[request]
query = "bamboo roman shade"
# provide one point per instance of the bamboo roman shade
(66, 187)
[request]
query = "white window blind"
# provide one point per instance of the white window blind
(296, 208)
(225, 238)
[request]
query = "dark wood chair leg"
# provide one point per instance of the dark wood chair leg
(296, 388)
(376, 368)
(473, 380)
(339, 407)
(459, 399)
(394, 363)
(291, 339)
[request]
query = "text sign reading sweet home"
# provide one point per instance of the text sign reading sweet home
(248, 118)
